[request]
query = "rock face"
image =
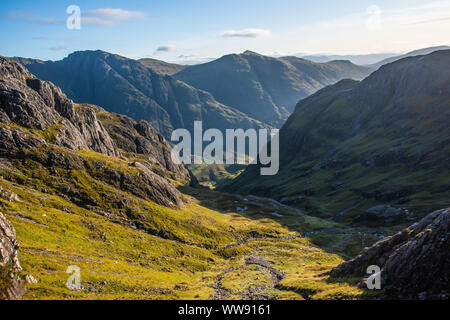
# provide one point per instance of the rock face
(37, 119)
(141, 138)
(11, 286)
(415, 263)
(35, 104)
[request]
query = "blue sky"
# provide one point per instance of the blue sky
(197, 30)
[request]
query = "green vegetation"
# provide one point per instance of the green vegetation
(131, 248)
(355, 145)
(215, 175)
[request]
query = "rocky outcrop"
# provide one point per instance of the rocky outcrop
(35, 104)
(11, 285)
(40, 124)
(141, 138)
(415, 263)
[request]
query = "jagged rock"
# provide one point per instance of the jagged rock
(11, 286)
(30, 279)
(141, 138)
(38, 119)
(14, 138)
(414, 262)
(35, 104)
(8, 195)
(381, 214)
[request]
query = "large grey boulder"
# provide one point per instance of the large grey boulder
(11, 285)
(415, 262)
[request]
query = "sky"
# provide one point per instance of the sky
(193, 31)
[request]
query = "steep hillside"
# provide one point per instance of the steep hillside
(380, 144)
(128, 87)
(266, 88)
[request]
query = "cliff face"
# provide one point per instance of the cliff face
(11, 285)
(34, 104)
(415, 263)
(39, 123)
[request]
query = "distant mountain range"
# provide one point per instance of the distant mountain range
(374, 60)
(134, 89)
(354, 145)
(266, 88)
(236, 91)
(419, 52)
(359, 59)
(245, 90)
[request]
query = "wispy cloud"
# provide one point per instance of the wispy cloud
(103, 17)
(58, 48)
(165, 49)
(245, 33)
(432, 20)
(107, 17)
(31, 17)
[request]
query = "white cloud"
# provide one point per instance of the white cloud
(106, 17)
(245, 33)
(30, 17)
(165, 48)
(103, 17)
(58, 48)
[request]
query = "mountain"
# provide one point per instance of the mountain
(85, 189)
(37, 120)
(266, 88)
(131, 88)
(375, 151)
(359, 59)
(419, 52)
(162, 67)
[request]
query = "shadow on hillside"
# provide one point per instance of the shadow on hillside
(332, 237)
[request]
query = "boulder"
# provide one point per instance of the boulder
(11, 285)
(415, 262)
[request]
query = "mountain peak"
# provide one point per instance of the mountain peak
(251, 53)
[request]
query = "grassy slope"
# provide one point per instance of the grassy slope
(182, 254)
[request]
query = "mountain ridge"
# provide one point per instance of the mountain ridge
(263, 87)
(128, 87)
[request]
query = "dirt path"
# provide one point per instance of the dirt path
(258, 292)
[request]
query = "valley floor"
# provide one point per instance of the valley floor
(250, 249)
